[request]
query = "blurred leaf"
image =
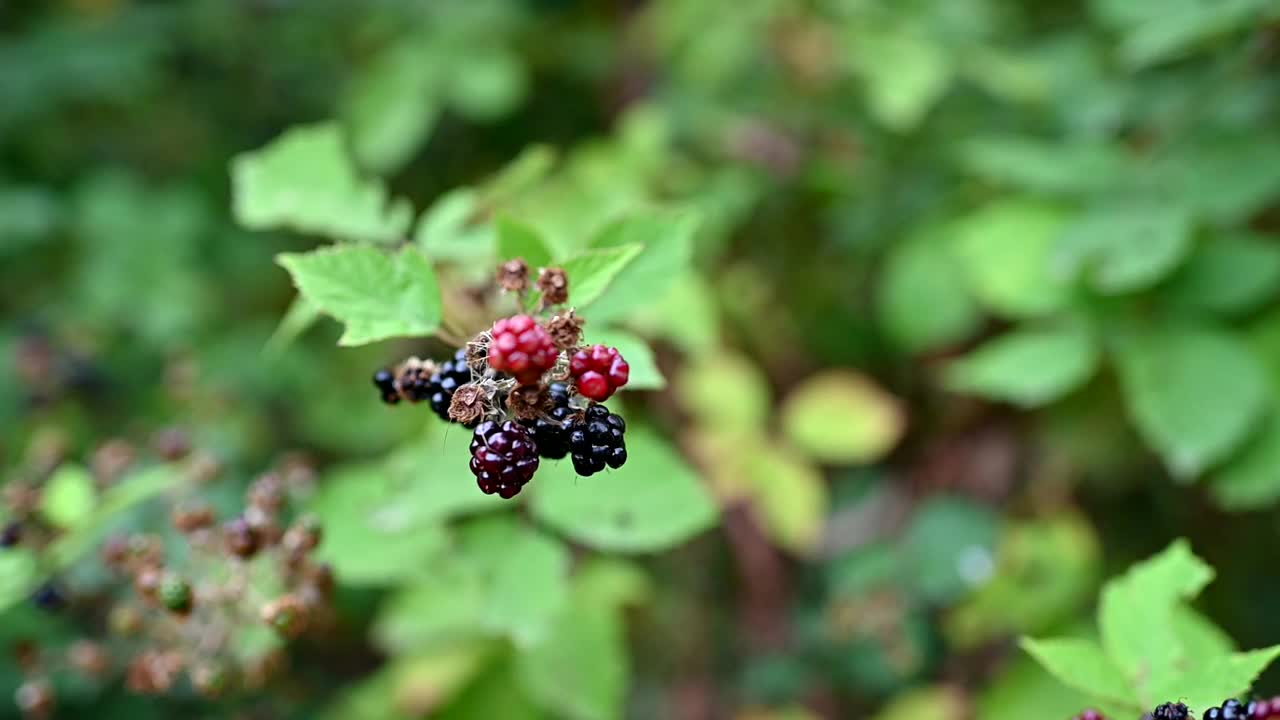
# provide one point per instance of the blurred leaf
(450, 229)
(1176, 27)
(645, 374)
(839, 416)
(523, 173)
(1080, 664)
(579, 669)
(1251, 479)
(27, 215)
(1024, 689)
(1223, 179)
(391, 107)
(686, 315)
(18, 576)
(501, 578)
(300, 316)
(1135, 617)
(949, 548)
(667, 242)
(591, 272)
(920, 273)
(1230, 275)
(936, 703)
(411, 686)
(1027, 367)
(1195, 394)
(304, 181)
(1004, 250)
(611, 582)
(138, 487)
(788, 494)
(904, 74)
(375, 294)
(1044, 166)
(652, 503)
(521, 241)
(724, 390)
(497, 693)
(1124, 247)
(68, 498)
(488, 85)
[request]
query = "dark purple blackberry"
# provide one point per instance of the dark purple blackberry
(452, 375)
(1213, 714)
(385, 381)
(1171, 711)
(552, 431)
(11, 535)
(49, 597)
(503, 457)
(1233, 710)
(596, 440)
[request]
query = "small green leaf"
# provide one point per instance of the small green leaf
(516, 240)
(842, 417)
(1041, 166)
(1228, 276)
(18, 576)
(69, 497)
(391, 107)
(667, 242)
(645, 374)
(654, 502)
(1029, 368)
(920, 273)
(591, 272)
(725, 390)
(303, 180)
(375, 294)
(1124, 248)
(1004, 251)
(1195, 394)
(452, 229)
(1080, 664)
(904, 73)
(787, 494)
(580, 667)
(1251, 479)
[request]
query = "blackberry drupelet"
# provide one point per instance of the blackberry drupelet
(551, 432)
(596, 440)
(503, 457)
(385, 381)
(452, 375)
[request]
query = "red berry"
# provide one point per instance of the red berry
(599, 371)
(522, 348)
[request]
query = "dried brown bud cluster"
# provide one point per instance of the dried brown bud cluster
(566, 330)
(513, 276)
(554, 284)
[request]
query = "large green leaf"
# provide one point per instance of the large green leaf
(391, 107)
(517, 240)
(920, 273)
(304, 181)
(579, 669)
(652, 503)
(591, 272)
(840, 416)
(1251, 479)
(1081, 664)
(1125, 247)
(375, 294)
(1219, 677)
(1005, 252)
(1195, 394)
(1039, 166)
(1233, 274)
(1027, 367)
(667, 242)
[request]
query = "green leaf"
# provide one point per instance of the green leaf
(1251, 479)
(723, 389)
(1023, 689)
(580, 668)
(300, 316)
(69, 497)
(840, 416)
(18, 576)
(497, 693)
(1228, 276)
(137, 488)
(375, 294)
(1029, 368)
(920, 273)
(652, 503)
(1195, 394)
(591, 272)
(1154, 34)
(1135, 617)
(1216, 678)
(904, 74)
(1080, 664)
(1121, 248)
(391, 107)
(788, 494)
(516, 240)
(1041, 166)
(452, 229)
(949, 548)
(489, 85)
(645, 374)
(304, 181)
(501, 578)
(667, 242)
(935, 703)
(1004, 251)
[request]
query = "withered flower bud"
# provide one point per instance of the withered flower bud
(566, 330)
(513, 275)
(528, 402)
(468, 405)
(240, 538)
(287, 615)
(171, 444)
(554, 284)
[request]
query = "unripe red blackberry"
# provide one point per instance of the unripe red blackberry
(451, 375)
(1089, 715)
(599, 371)
(597, 441)
(503, 458)
(522, 348)
(385, 381)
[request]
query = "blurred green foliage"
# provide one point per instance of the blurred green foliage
(938, 312)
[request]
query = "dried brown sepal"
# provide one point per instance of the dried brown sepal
(301, 538)
(470, 403)
(89, 658)
(566, 330)
(267, 493)
(171, 444)
(191, 518)
(111, 459)
(529, 402)
(153, 672)
(413, 378)
(240, 538)
(513, 276)
(147, 583)
(554, 284)
(478, 353)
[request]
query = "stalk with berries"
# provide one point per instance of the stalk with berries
(1230, 709)
(528, 388)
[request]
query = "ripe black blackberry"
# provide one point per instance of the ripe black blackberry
(596, 440)
(552, 431)
(1171, 711)
(49, 597)
(452, 375)
(503, 457)
(385, 381)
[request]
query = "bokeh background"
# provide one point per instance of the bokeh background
(952, 309)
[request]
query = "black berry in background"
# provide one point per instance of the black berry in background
(385, 381)
(1213, 714)
(1233, 710)
(596, 440)
(452, 375)
(552, 431)
(503, 457)
(11, 535)
(1171, 711)
(413, 382)
(49, 597)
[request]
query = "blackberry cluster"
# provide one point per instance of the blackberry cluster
(1233, 709)
(551, 431)
(503, 457)
(596, 440)
(452, 375)
(385, 381)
